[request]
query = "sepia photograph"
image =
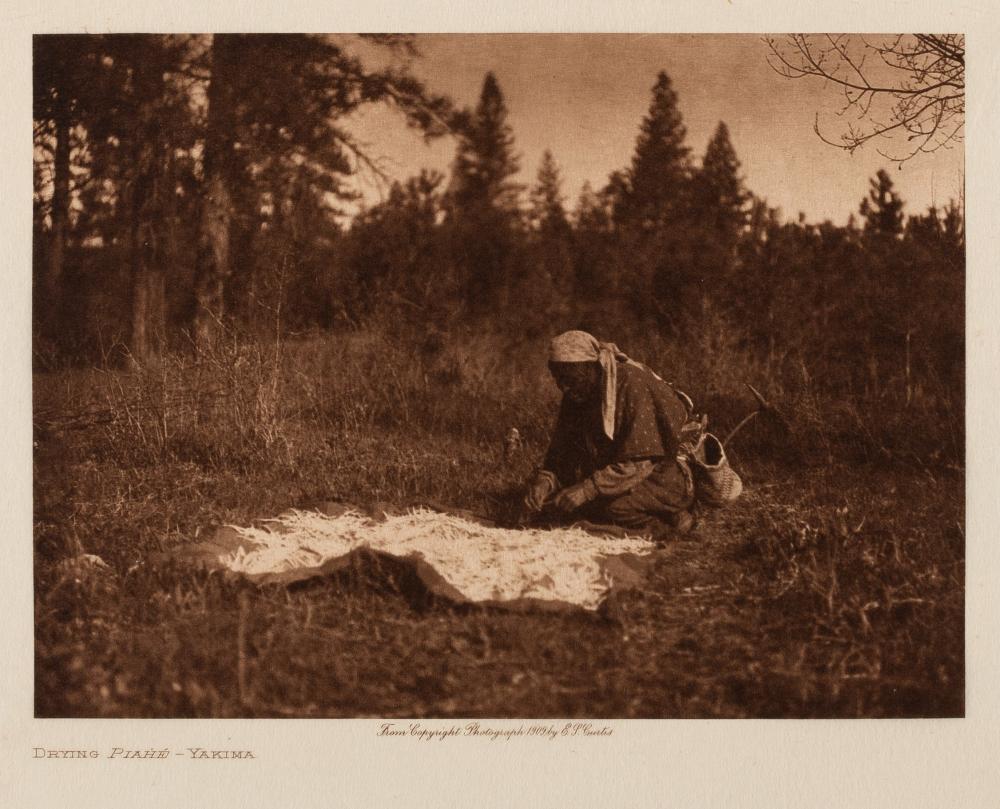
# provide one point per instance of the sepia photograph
(576, 376)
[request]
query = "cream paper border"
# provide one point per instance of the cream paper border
(776, 763)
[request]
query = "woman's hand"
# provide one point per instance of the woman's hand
(573, 497)
(541, 488)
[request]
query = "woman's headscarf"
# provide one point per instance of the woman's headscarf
(579, 346)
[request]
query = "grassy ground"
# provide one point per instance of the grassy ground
(830, 589)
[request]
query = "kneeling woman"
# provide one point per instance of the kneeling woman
(614, 452)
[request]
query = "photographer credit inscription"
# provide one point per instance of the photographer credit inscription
(550, 731)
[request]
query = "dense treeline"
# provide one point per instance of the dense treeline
(180, 179)
(188, 182)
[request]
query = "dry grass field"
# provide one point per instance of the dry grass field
(833, 588)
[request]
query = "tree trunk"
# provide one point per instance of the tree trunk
(145, 208)
(166, 256)
(147, 297)
(139, 297)
(158, 309)
(213, 258)
(60, 222)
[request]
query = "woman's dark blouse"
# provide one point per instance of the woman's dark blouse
(649, 416)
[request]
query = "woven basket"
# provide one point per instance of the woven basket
(716, 482)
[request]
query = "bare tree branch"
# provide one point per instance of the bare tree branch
(904, 85)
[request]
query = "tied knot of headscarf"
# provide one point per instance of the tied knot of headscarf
(579, 346)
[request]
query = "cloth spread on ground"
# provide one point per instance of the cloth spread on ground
(457, 558)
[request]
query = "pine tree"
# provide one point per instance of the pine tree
(545, 278)
(718, 213)
(882, 209)
(125, 116)
(720, 196)
(391, 251)
(924, 229)
(547, 213)
(594, 210)
(652, 213)
(953, 227)
(277, 102)
(485, 160)
(593, 243)
(656, 183)
(483, 203)
(65, 81)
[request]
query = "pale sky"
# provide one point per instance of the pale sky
(584, 96)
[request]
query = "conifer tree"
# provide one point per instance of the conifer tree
(593, 244)
(882, 209)
(652, 213)
(545, 278)
(953, 227)
(547, 212)
(588, 214)
(114, 96)
(656, 182)
(483, 202)
(68, 83)
(718, 213)
(485, 160)
(720, 196)
(885, 281)
(57, 64)
(277, 101)
(390, 253)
